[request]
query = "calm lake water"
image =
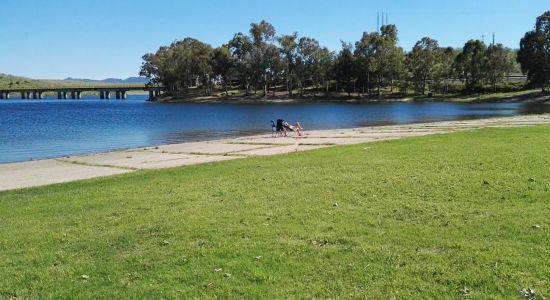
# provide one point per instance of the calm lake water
(37, 129)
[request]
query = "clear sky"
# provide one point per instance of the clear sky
(54, 39)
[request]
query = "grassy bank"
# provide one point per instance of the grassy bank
(10, 82)
(17, 82)
(434, 217)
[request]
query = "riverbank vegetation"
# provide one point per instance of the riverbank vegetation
(262, 63)
(444, 216)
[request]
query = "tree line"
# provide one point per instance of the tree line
(262, 61)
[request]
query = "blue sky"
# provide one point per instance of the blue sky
(106, 38)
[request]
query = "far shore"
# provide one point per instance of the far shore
(527, 96)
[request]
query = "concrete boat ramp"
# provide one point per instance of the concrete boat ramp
(70, 168)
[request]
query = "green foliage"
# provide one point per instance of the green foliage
(437, 217)
(322, 73)
(443, 70)
(379, 57)
(344, 67)
(306, 60)
(264, 55)
(430, 64)
(534, 52)
(500, 62)
(241, 50)
(150, 68)
(261, 60)
(422, 62)
(478, 64)
(222, 65)
(470, 64)
(289, 52)
(183, 64)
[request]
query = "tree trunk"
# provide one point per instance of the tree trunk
(379, 83)
(368, 83)
(290, 87)
(423, 85)
(265, 84)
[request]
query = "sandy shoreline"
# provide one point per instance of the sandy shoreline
(71, 168)
(271, 100)
(521, 97)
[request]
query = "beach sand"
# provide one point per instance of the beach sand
(58, 170)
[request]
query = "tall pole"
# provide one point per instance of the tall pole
(387, 19)
(493, 38)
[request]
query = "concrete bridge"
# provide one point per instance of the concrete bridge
(104, 92)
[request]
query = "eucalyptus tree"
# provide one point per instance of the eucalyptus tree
(377, 58)
(422, 62)
(289, 48)
(240, 48)
(380, 56)
(306, 61)
(274, 67)
(344, 67)
(322, 73)
(394, 55)
(395, 66)
(470, 64)
(500, 63)
(193, 63)
(164, 61)
(150, 69)
(262, 35)
(180, 65)
(254, 60)
(365, 61)
(534, 52)
(444, 70)
(222, 65)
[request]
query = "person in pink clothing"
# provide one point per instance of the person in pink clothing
(298, 127)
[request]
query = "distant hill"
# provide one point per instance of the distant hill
(8, 81)
(14, 82)
(129, 80)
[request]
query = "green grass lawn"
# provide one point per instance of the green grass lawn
(444, 216)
